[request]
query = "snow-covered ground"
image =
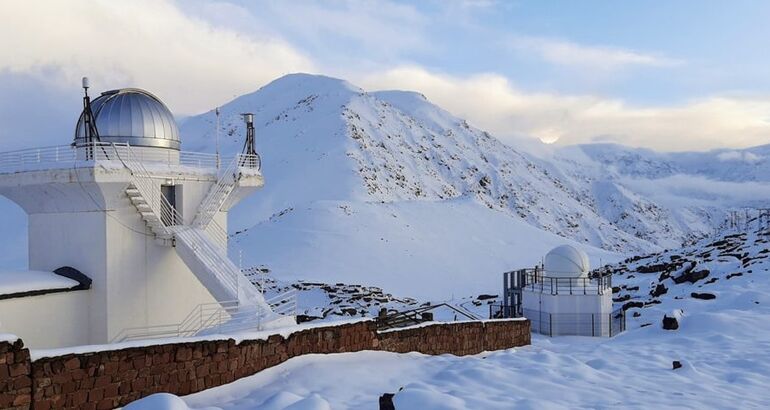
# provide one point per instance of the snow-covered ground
(722, 345)
(724, 352)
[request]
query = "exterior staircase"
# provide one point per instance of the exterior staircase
(203, 248)
(218, 194)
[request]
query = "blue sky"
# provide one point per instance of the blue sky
(684, 75)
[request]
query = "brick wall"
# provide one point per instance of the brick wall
(15, 381)
(104, 380)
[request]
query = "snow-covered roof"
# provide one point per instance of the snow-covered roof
(22, 283)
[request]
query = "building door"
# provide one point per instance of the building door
(169, 216)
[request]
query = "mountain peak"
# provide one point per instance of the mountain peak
(304, 83)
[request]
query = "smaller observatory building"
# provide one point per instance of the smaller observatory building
(561, 296)
(127, 232)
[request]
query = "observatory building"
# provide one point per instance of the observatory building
(561, 297)
(127, 232)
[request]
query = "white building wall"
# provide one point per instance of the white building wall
(77, 240)
(50, 320)
(82, 218)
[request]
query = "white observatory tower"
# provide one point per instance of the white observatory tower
(146, 222)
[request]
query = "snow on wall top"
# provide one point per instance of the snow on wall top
(27, 281)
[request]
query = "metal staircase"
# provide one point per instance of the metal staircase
(154, 208)
(202, 246)
(218, 194)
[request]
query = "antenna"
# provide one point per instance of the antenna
(216, 111)
(249, 148)
(90, 133)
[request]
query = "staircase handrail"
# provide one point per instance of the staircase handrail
(213, 201)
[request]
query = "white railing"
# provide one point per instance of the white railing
(142, 180)
(218, 194)
(211, 318)
(67, 156)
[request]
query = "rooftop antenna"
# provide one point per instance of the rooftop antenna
(216, 111)
(249, 148)
(90, 133)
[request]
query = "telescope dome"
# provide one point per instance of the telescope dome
(566, 261)
(133, 116)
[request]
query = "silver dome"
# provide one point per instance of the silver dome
(133, 116)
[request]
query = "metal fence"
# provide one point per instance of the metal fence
(567, 324)
(537, 281)
(84, 155)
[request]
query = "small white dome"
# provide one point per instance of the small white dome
(566, 261)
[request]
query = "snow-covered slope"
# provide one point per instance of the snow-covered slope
(717, 275)
(337, 142)
(385, 184)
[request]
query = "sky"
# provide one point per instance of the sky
(670, 76)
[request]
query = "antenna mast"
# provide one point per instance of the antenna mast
(90, 133)
(249, 148)
(216, 111)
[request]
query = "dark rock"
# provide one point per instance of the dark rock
(670, 323)
(637, 314)
(676, 364)
(634, 304)
(306, 318)
(691, 276)
(732, 275)
(659, 267)
(661, 289)
(621, 298)
(485, 297)
(704, 296)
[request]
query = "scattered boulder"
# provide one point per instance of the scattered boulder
(634, 304)
(691, 276)
(637, 314)
(670, 323)
(659, 267)
(485, 297)
(732, 275)
(704, 296)
(661, 289)
(676, 364)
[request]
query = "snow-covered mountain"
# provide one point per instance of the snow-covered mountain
(341, 143)
(385, 184)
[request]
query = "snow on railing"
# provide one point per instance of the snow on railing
(67, 156)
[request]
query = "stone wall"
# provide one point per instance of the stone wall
(107, 379)
(15, 381)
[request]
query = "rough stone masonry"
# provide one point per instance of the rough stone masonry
(113, 378)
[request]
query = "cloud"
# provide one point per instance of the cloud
(744, 156)
(153, 44)
(567, 53)
(492, 102)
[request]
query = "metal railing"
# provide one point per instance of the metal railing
(218, 193)
(536, 280)
(209, 318)
(389, 320)
(84, 155)
(142, 180)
